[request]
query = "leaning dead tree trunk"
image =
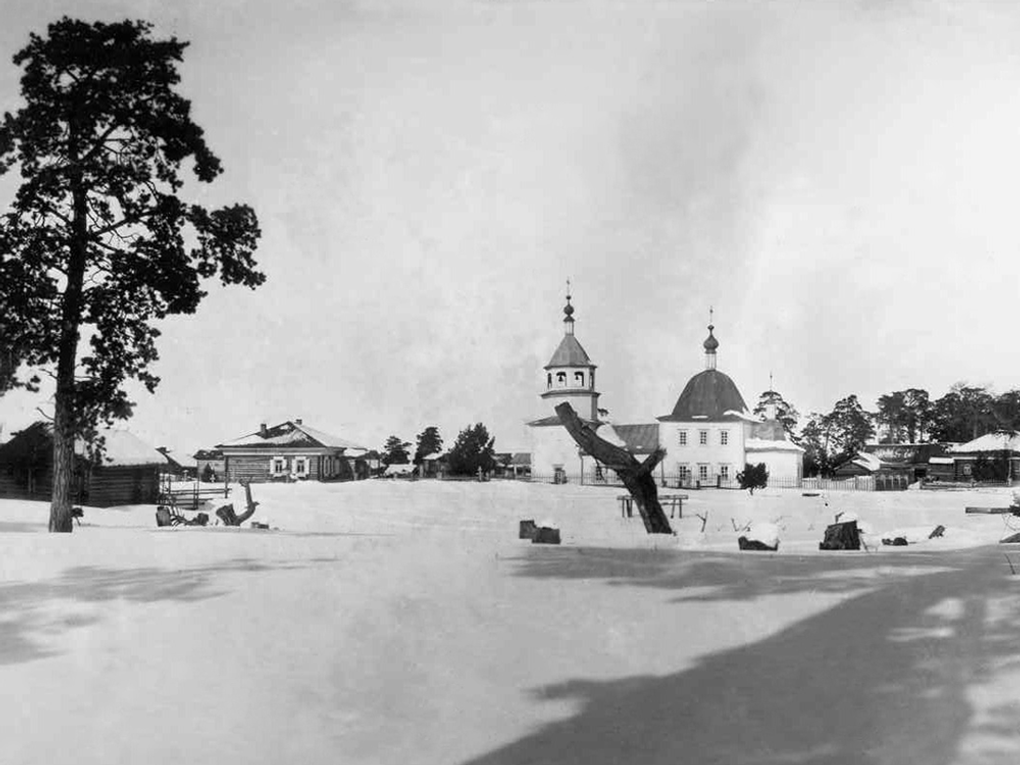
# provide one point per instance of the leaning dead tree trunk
(636, 476)
(229, 517)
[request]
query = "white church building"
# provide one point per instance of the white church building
(708, 436)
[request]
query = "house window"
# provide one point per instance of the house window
(702, 472)
(703, 437)
(682, 438)
(724, 437)
(724, 470)
(579, 379)
(300, 466)
(279, 465)
(684, 472)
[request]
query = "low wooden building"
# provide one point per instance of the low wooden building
(1000, 453)
(127, 472)
(941, 470)
(888, 476)
(290, 451)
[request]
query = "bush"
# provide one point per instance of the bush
(753, 477)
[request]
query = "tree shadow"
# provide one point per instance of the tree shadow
(713, 576)
(880, 678)
(25, 617)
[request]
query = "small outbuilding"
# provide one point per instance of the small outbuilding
(993, 456)
(889, 476)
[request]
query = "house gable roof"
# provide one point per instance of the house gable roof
(990, 442)
(290, 435)
(122, 448)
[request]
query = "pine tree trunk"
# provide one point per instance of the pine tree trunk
(65, 424)
(61, 519)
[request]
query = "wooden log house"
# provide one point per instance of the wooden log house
(290, 451)
(126, 474)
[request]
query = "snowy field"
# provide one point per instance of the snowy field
(396, 622)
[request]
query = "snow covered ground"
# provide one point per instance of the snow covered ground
(399, 622)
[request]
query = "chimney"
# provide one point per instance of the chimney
(263, 430)
(297, 421)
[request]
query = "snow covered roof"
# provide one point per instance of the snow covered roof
(546, 422)
(990, 442)
(329, 440)
(867, 461)
(746, 416)
(608, 434)
(123, 448)
(769, 445)
(637, 439)
(940, 460)
(291, 434)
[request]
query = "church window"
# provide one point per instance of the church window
(681, 438)
(548, 380)
(703, 437)
(724, 437)
(561, 378)
(702, 472)
(579, 379)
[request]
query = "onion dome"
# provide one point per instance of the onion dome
(710, 344)
(707, 396)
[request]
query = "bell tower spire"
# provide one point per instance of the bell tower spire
(570, 375)
(711, 344)
(568, 311)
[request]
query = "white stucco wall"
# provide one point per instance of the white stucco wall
(718, 458)
(785, 466)
(552, 446)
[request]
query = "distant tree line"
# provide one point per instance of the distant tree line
(473, 450)
(964, 413)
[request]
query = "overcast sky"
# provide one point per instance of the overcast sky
(839, 180)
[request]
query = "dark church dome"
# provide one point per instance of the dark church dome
(707, 396)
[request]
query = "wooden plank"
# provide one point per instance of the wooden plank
(989, 510)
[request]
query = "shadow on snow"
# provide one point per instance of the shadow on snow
(24, 619)
(883, 677)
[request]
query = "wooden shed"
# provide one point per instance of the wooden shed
(127, 473)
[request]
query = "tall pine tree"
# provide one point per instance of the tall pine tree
(97, 244)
